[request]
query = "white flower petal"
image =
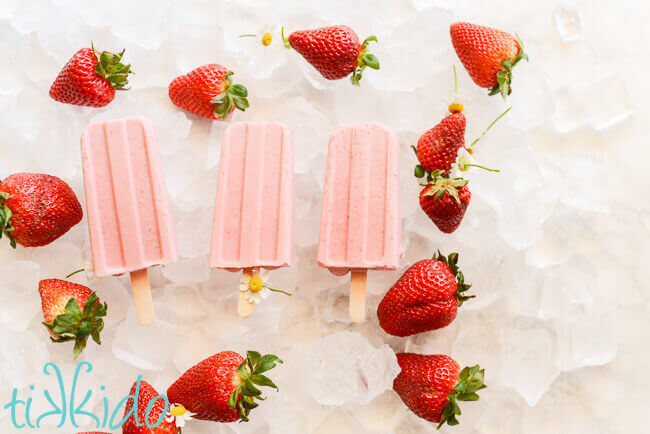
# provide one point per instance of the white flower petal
(245, 279)
(264, 293)
(243, 287)
(265, 276)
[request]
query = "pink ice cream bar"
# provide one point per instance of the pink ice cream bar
(254, 215)
(131, 226)
(360, 218)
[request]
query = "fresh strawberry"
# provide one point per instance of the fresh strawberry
(91, 79)
(425, 298)
(437, 149)
(71, 312)
(158, 415)
(36, 209)
(445, 201)
(222, 388)
(208, 91)
(488, 55)
(431, 386)
(334, 51)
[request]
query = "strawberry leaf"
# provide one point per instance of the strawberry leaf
(470, 381)
(78, 325)
(364, 60)
(249, 371)
(110, 66)
(234, 95)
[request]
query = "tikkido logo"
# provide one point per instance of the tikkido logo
(65, 409)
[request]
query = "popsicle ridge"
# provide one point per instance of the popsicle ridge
(253, 218)
(360, 215)
(126, 198)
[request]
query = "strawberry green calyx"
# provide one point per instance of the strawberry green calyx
(442, 185)
(110, 67)
(250, 374)
(365, 60)
(504, 76)
(452, 263)
(470, 381)
(233, 95)
(5, 219)
(285, 40)
(77, 325)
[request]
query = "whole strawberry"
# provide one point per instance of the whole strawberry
(431, 386)
(437, 149)
(488, 55)
(445, 201)
(90, 78)
(425, 298)
(36, 209)
(71, 312)
(334, 51)
(222, 388)
(158, 418)
(207, 91)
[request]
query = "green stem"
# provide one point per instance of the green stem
(490, 126)
(482, 167)
(287, 45)
(278, 290)
(74, 272)
(248, 35)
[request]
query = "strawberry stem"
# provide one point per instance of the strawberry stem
(250, 372)
(364, 60)
(110, 67)
(78, 325)
(504, 76)
(470, 381)
(5, 219)
(490, 126)
(233, 95)
(285, 40)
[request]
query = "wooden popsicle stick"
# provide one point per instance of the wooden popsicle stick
(358, 295)
(142, 296)
(245, 307)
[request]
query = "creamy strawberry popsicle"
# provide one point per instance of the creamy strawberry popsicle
(360, 216)
(131, 226)
(253, 223)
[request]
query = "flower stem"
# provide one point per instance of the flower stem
(490, 126)
(74, 272)
(278, 290)
(248, 35)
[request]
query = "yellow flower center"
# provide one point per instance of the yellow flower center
(455, 107)
(179, 410)
(256, 284)
(266, 39)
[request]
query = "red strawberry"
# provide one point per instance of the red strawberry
(445, 202)
(437, 149)
(488, 55)
(36, 209)
(431, 386)
(334, 51)
(425, 298)
(157, 416)
(208, 91)
(71, 312)
(222, 387)
(90, 79)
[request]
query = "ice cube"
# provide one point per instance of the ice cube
(145, 347)
(344, 368)
(20, 285)
(22, 356)
(567, 23)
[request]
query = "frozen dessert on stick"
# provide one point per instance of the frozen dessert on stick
(253, 224)
(131, 226)
(360, 216)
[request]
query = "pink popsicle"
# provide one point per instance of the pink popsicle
(131, 227)
(253, 223)
(254, 216)
(360, 217)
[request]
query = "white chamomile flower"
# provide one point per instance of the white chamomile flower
(254, 287)
(179, 415)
